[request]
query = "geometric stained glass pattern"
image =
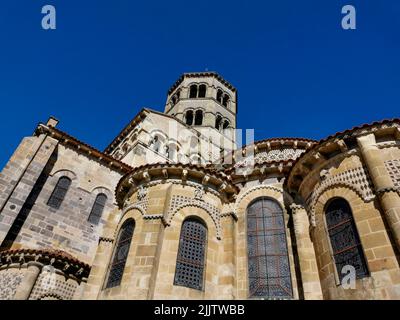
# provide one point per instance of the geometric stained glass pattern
(191, 255)
(345, 241)
(268, 260)
(120, 254)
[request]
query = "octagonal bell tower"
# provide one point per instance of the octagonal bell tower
(206, 102)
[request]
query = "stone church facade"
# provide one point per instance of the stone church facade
(172, 209)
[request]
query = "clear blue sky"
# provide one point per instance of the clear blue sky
(298, 73)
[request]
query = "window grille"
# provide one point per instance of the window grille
(344, 238)
(191, 255)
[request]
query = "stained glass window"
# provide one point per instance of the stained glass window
(191, 255)
(345, 241)
(59, 192)
(98, 208)
(268, 264)
(120, 254)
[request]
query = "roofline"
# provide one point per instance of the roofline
(69, 140)
(140, 116)
(201, 74)
(341, 135)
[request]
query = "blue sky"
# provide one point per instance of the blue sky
(298, 73)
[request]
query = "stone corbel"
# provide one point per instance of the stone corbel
(165, 173)
(132, 182)
(318, 156)
(342, 145)
(22, 258)
(79, 272)
(146, 176)
(184, 174)
(66, 267)
(205, 180)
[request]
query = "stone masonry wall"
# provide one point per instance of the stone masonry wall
(26, 218)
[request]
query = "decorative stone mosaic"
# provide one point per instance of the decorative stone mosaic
(178, 202)
(270, 156)
(355, 179)
(393, 167)
(49, 284)
(9, 281)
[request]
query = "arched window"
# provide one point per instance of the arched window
(344, 238)
(226, 124)
(191, 255)
(172, 150)
(219, 95)
(173, 100)
(156, 144)
(198, 120)
(193, 91)
(98, 208)
(202, 91)
(268, 264)
(225, 101)
(218, 122)
(189, 117)
(59, 192)
(120, 254)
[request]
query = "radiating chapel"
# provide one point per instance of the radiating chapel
(176, 207)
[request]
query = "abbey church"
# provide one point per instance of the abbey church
(176, 208)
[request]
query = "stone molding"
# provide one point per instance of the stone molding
(356, 179)
(255, 188)
(105, 239)
(63, 262)
(179, 202)
(180, 173)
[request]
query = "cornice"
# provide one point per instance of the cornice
(185, 173)
(83, 148)
(60, 260)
